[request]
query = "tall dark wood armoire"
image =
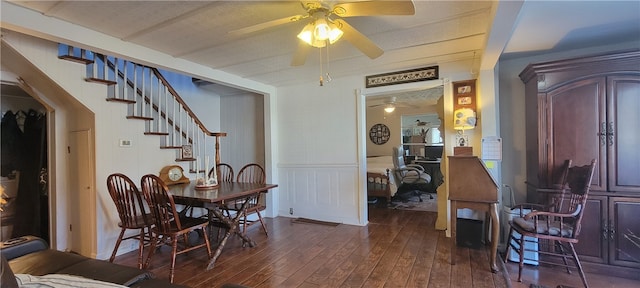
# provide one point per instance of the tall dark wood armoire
(581, 109)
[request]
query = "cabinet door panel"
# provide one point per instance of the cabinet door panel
(624, 119)
(592, 241)
(577, 111)
(624, 215)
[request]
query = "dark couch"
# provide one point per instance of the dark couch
(31, 255)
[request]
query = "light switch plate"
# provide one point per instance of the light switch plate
(125, 143)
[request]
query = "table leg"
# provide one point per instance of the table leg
(454, 218)
(233, 228)
(495, 233)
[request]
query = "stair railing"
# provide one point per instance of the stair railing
(150, 97)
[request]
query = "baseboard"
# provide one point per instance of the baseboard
(602, 269)
(610, 270)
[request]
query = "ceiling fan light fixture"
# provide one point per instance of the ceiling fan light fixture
(307, 35)
(321, 30)
(389, 109)
(334, 33)
(317, 33)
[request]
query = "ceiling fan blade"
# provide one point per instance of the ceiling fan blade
(373, 8)
(267, 25)
(378, 105)
(358, 40)
(301, 54)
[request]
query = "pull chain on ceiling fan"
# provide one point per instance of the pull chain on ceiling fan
(327, 26)
(328, 79)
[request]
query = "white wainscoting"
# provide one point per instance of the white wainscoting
(325, 192)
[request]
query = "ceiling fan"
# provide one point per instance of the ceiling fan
(330, 16)
(390, 105)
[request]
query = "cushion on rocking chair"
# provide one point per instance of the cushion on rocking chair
(553, 229)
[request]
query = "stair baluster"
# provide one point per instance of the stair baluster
(143, 89)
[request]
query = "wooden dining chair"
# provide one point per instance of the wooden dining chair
(168, 222)
(225, 172)
(252, 173)
(558, 225)
(131, 211)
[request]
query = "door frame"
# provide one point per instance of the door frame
(361, 96)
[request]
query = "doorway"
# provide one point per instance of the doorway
(24, 165)
(423, 104)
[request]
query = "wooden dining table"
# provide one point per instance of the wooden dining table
(214, 200)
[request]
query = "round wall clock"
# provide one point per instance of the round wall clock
(379, 134)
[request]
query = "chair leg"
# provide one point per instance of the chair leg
(154, 243)
(508, 246)
(186, 239)
(564, 256)
(206, 240)
(264, 227)
(140, 248)
(578, 265)
(244, 225)
(149, 234)
(174, 252)
(115, 249)
(521, 254)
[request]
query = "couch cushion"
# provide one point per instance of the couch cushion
(16, 247)
(58, 262)
(62, 281)
(44, 262)
(156, 283)
(106, 271)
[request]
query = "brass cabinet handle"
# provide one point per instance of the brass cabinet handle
(605, 231)
(610, 133)
(612, 230)
(603, 133)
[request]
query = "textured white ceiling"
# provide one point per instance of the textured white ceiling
(451, 34)
(439, 32)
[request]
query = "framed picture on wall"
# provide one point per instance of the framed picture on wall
(464, 89)
(466, 100)
(187, 151)
(462, 140)
(464, 93)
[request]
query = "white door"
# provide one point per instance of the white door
(82, 195)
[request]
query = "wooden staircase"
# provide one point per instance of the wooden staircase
(152, 99)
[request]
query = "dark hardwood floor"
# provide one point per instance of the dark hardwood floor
(398, 248)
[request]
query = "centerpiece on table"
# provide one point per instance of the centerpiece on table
(206, 182)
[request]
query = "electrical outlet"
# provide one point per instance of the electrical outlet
(291, 211)
(125, 143)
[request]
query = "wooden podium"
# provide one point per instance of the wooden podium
(472, 186)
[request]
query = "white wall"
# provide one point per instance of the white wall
(243, 120)
(317, 144)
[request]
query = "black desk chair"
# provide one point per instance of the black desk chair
(409, 176)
